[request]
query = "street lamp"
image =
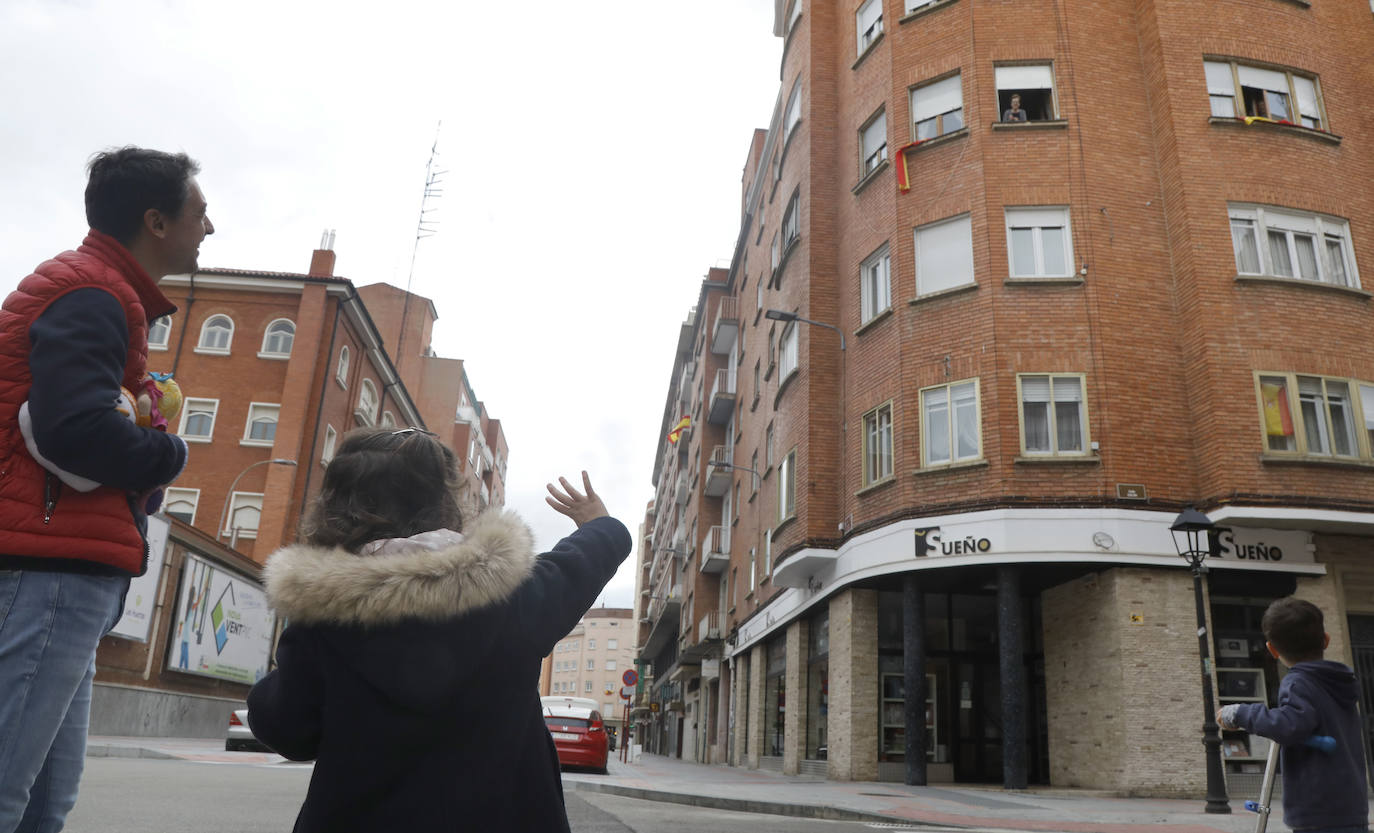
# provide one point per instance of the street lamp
(1192, 533)
(280, 461)
(781, 315)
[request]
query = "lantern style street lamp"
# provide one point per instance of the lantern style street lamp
(1193, 533)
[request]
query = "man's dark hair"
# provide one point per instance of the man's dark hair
(126, 182)
(1295, 628)
(385, 483)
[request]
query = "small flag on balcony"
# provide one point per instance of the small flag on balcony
(676, 434)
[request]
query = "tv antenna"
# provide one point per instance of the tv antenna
(426, 226)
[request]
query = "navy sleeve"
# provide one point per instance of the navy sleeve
(1290, 723)
(77, 350)
(566, 581)
(285, 707)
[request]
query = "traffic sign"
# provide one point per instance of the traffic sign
(627, 692)
(630, 677)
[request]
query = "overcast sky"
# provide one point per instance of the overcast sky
(594, 153)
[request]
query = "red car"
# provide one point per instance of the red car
(578, 732)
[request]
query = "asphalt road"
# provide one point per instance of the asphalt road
(123, 795)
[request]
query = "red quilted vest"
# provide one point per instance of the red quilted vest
(94, 526)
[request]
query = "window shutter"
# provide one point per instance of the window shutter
(934, 99)
(1068, 389)
(1264, 79)
(1219, 78)
(1035, 388)
(1036, 77)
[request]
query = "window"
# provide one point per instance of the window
(388, 419)
(1052, 415)
(754, 475)
(1032, 84)
(950, 432)
(245, 508)
(793, 113)
(758, 381)
(216, 334)
(796, 13)
(610, 665)
(775, 253)
(1038, 243)
(787, 486)
(1324, 423)
(878, 444)
(788, 346)
(611, 644)
(591, 665)
(159, 332)
(753, 567)
(875, 287)
(767, 552)
(1263, 93)
(198, 420)
(944, 255)
(768, 445)
(791, 221)
(366, 411)
(758, 300)
(278, 338)
(913, 5)
(937, 108)
(872, 144)
(331, 437)
(1290, 244)
(591, 644)
(261, 428)
(341, 373)
(868, 23)
(587, 687)
(181, 503)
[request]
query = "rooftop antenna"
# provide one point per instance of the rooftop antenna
(426, 226)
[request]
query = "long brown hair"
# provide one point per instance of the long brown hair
(385, 483)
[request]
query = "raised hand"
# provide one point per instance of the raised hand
(581, 507)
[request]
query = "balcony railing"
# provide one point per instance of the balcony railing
(717, 554)
(718, 471)
(709, 627)
(681, 493)
(722, 398)
(684, 394)
(725, 332)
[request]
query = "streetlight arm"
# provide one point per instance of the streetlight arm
(827, 326)
(281, 461)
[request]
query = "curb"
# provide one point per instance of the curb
(113, 751)
(742, 805)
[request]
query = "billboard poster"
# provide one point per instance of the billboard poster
(137, 620)
(223, 628)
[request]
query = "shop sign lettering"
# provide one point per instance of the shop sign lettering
(929, 540)
(1258, 551)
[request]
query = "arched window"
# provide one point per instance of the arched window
(388, 420)
(158, 333)
(277, 340)
(341, 374)
(216, 334)
(261, 428)
(366, 412)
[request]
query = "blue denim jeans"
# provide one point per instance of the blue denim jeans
(50, 625)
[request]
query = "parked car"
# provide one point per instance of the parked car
(578, 732)
(240, 738)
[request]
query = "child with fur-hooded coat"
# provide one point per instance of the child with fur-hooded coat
(409, 670)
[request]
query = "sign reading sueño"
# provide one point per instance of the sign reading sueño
(930, 541)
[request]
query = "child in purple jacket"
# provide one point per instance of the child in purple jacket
(1323, 792)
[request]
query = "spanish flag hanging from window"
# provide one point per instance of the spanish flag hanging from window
(1278, 422)
(676, 434)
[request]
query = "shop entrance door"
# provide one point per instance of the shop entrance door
(1362, 647)
(977, 742)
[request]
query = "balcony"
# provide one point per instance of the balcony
(716, 556)
(718, 472)
(725, 332)
(684, 394)
(722, 398)
(709, 627)
(681, 493)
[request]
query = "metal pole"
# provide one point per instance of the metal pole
(1217, 802)
(914, 674)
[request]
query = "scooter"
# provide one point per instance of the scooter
(1325, 743)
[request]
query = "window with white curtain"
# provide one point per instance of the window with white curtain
(1333, 417)
(950, 433)
(341, 371)
(787, 486)
(944, 255)
(789, 351)
(331, 438)
(1284, 243)
(875, 284)
(245, 510)
(937, 108)
(276, 341)
(216, 334)
(198, 420)
(181, 503)
(873, 144)
(1053, 417)
(913, 5)
(878, 444)
(365, 413)
(868, 23)
(1236, 90)
(1038, 242)
(158, 333)
(1367, 414)
(791, 220)
(1034, 83)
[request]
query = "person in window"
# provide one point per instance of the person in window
(1014, 112)
(409, 669)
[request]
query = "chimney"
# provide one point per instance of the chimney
(322, 260)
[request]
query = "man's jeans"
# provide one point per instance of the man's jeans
(50, 625)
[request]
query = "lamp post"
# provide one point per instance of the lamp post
(280, 461)
(1192, 532)
(781, 315)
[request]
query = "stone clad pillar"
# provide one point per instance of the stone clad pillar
(794, 682)
(758, 662)
(853, 723)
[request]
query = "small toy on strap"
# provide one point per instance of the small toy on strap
(159, 400)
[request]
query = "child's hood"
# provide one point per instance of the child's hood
(1337, 679)
(428, 582)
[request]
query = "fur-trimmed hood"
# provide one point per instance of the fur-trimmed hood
(321, 585)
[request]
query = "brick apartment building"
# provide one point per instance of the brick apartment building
(273, 366)
(1057, 327)
(592, 659)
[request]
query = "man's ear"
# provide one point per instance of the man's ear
(1273, 652)
(155, 223)
(1326, 641)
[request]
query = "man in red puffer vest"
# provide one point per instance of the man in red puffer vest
(71, 335)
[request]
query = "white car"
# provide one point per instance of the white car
(240, 737)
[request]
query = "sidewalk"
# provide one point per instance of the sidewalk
(656, 778)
